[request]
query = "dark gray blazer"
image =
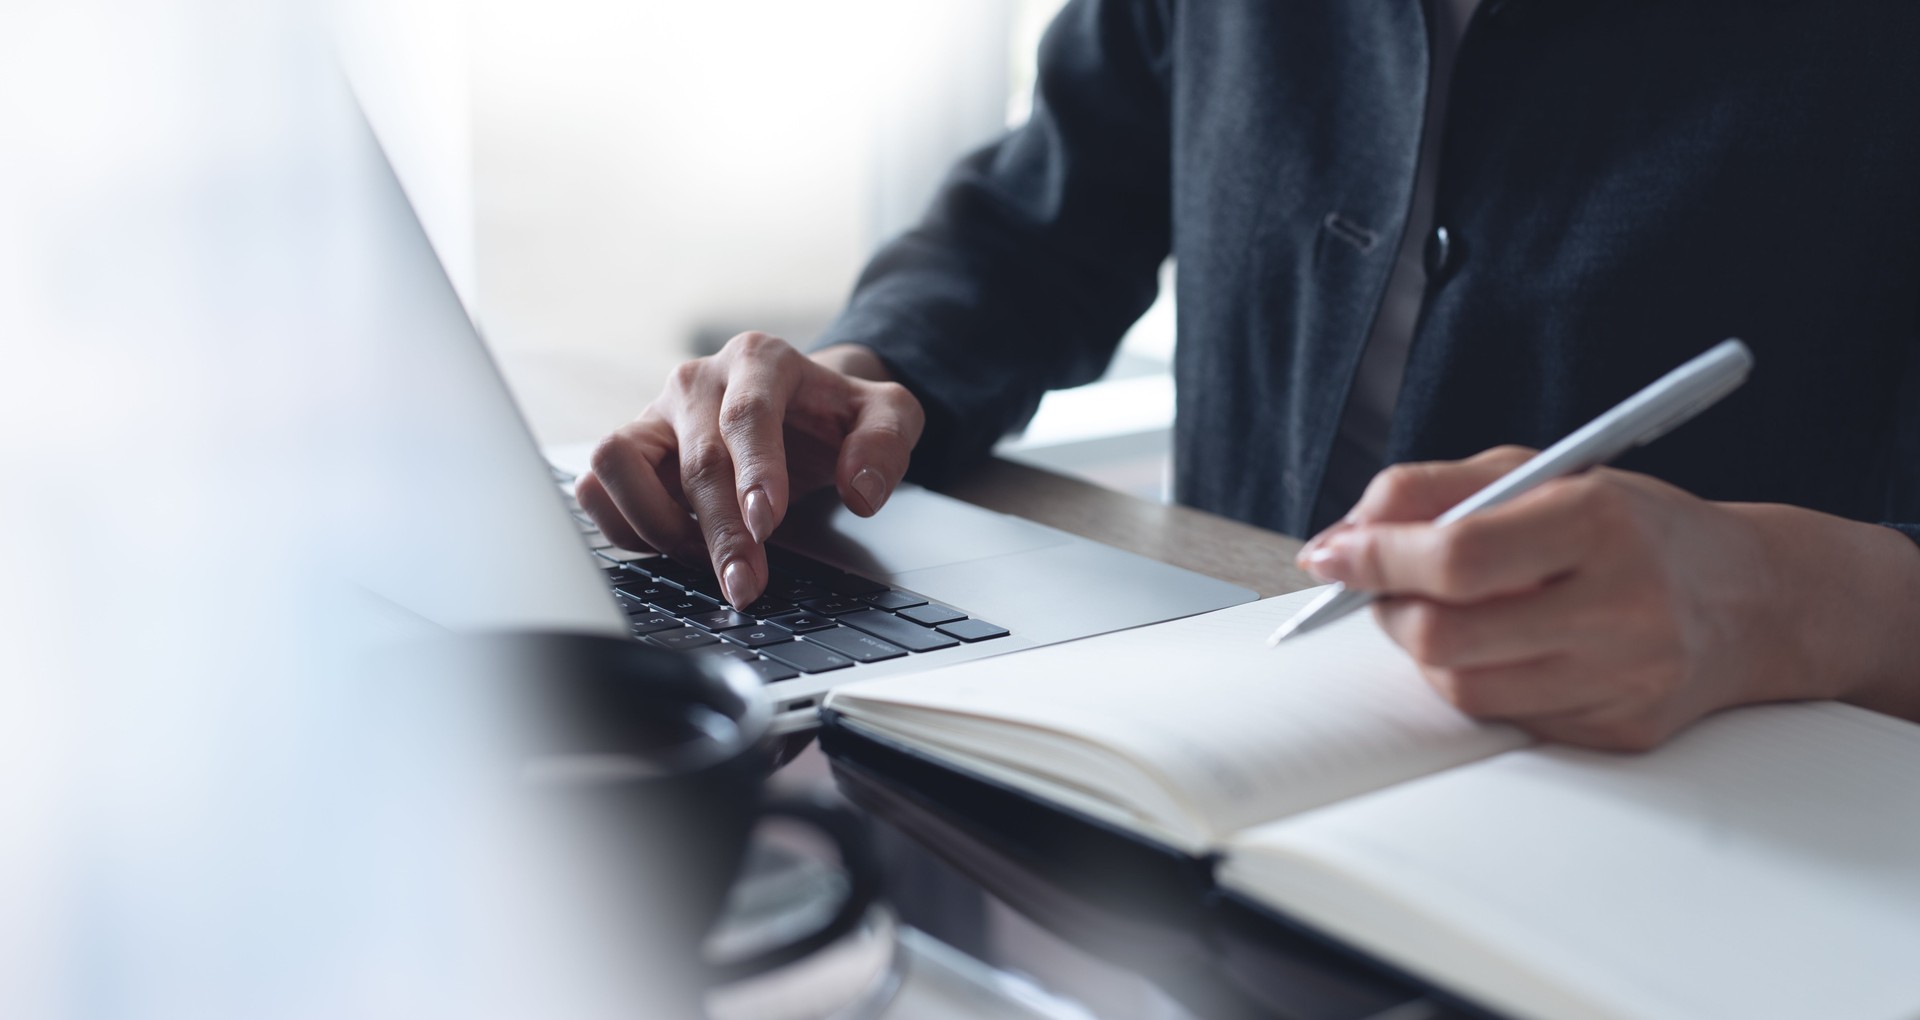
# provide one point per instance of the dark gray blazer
(1624, 182)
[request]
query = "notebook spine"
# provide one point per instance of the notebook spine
(1086, 855)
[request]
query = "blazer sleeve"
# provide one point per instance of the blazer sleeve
(1912, 531)
(1040, 249)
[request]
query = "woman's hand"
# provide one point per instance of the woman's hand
(709, 469)
(1610, 609)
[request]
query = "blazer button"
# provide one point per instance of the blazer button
(1441, 253)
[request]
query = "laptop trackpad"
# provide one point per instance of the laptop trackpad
(915, 530)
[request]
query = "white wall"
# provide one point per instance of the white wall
(609, 180)
(409, 65)
(645, 172)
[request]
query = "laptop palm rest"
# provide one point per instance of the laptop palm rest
(915, 530)
(1046, 584)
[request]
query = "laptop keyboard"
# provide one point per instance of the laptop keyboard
(813, 617)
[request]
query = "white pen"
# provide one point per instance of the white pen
(1636, 421)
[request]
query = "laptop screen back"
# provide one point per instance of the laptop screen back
(485, 541)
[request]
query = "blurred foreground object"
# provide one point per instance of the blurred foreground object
(219, 799)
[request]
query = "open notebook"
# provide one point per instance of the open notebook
(1764, 864)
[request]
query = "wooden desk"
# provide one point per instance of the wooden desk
(1199, 541)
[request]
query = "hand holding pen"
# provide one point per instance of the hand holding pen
(1610, 609)
(1640, 419)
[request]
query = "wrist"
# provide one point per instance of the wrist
(1847, 607)
(853, 360)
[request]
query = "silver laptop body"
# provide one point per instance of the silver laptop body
(497, 546)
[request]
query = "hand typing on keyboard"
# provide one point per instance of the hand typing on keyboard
(708, 469)
(813, 617)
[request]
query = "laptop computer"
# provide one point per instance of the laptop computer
(928, 581)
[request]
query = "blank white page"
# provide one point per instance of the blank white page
(1201, 706)
(1766, 864)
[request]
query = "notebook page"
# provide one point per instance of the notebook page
(1201, 706)
(1766, 864)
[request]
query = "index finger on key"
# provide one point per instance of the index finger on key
(751, 417)
(707, 480)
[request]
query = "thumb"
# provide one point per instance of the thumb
(873, 458)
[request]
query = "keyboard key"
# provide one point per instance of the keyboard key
(758, 635)
(766, 607)
(972, 630)
(786, 562)
(727, 652)
(630, 605)
(719, 619)
(618, 576)
(649, 590)
(683, 639)
(674, 570)
(855, 645)
(806, 656)
(651, 622)
(910, 636)
(793, 589)
(685, 603)
(802, 621)
(854, 584)
(834, 605)
(596, 539)
(894, 600)
(933, 614)
(704, 584)
(697, 579)
(771, 671)
(619, 555)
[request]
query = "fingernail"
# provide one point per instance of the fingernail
(871, 488)
(1312, 545)
(1319, 541)
(759, 514)
(735, 579)
(1333, 561)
